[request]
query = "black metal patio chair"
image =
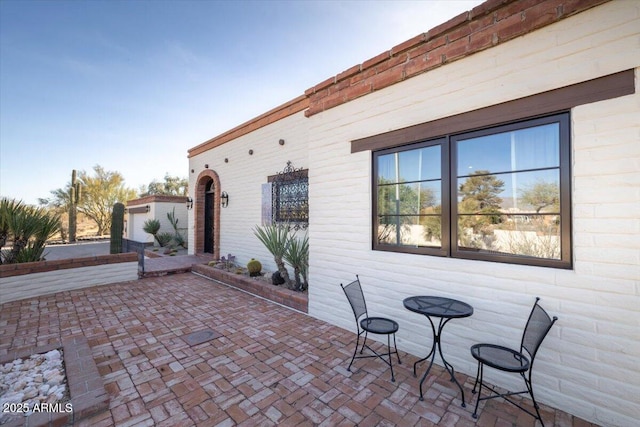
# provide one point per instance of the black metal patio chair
(510, 360)
(374, 325)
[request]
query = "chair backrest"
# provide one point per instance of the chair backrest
(537, 328)
(354, 294)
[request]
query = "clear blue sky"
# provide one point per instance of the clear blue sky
(132, 85)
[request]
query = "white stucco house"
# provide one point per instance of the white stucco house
(537, 103)
(138, 211)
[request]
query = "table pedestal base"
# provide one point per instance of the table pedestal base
(432, 355)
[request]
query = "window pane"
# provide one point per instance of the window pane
(414, 233)
(387, 196)
(533, 192)
(387, 230)
(420, 164)
(526, 235)
(387, 169)
(530, 148)
(417, 197)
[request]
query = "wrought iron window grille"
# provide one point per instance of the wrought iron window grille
(290, 197)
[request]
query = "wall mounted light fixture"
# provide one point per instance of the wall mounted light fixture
(189, 203)
(206, 166)
(281, 142)
(224, 199)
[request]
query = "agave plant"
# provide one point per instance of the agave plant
(297, 255)
(276, 239)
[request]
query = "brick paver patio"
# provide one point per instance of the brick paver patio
(271, 366)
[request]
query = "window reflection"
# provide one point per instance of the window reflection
(409, 197)
(494, 192)
(523, 149)
(509, 192)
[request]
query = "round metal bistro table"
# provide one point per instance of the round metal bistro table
(445, 309)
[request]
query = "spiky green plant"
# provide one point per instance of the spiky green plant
(276, 239)
(152, 226)
(28, 228)
(297, 255)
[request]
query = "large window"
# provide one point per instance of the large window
(497, 194)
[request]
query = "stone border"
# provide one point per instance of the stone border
(86, 387)
(292, 299)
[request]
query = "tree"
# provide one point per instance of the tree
(542, 194)
(480, 205)
(172, 186)
(99, 193)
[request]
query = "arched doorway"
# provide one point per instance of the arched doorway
(207, 214)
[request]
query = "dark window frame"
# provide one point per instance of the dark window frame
(449, 247)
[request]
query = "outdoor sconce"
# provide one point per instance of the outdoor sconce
(224, 199)
(148, 208)
(189, 203)
(206, 166)
(281, 142)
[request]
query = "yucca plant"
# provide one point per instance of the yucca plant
(28, 228)
(152, 226)
(297, 255)
(276, 239)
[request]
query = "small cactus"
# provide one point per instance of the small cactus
(254, 267)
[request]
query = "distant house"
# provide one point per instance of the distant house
(138, 211)
(494, 158)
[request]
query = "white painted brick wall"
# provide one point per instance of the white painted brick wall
(242, 178)
(589, 365)
(50, 282)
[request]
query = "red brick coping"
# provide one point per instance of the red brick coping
(10, 270)
(296, 300)
(86, 387)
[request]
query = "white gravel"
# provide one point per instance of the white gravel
(30, 382)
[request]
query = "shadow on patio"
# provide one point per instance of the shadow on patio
(271, 365)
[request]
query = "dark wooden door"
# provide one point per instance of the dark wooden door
(209, 224)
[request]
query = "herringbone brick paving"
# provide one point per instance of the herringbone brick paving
(271, 367)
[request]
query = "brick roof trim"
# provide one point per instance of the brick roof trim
(485, 26)
(287, 109)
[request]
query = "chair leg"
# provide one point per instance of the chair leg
(396, 347)
(364, 344)
(535, 404)
(393, 378)
(354, 352)
(479, 375)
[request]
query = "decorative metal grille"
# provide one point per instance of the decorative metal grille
(290, 197)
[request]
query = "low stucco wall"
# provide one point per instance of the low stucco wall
(32, 279)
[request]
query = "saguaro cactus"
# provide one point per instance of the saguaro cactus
(117, 228)
(74, 198)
